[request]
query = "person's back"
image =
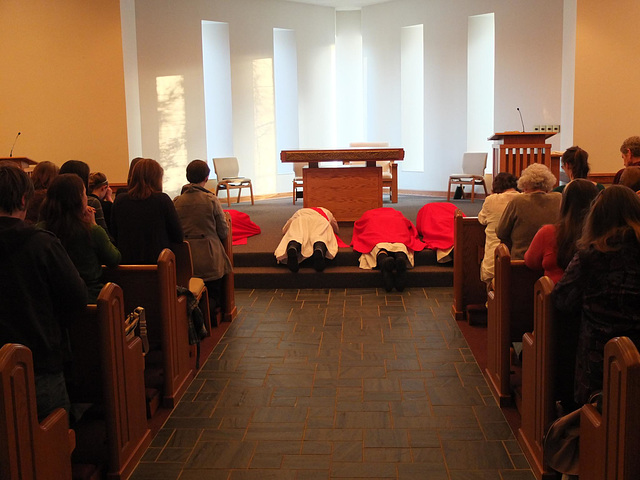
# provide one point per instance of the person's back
(504, 190)
(144, 219)
(205, 227)
(39, 289)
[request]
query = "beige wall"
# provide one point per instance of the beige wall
(607, 92)
(62, 83)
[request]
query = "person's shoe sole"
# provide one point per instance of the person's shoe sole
(318, 260)
(292, 260)
(387, 273)
(401, 274)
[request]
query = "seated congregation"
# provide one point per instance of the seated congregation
(96, 345)
(558, 274)
(559, 279)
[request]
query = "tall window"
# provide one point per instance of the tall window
(412, 97)
(480, 83)
(216, 67)
(285, 75)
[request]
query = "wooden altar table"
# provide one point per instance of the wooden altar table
(347, 191)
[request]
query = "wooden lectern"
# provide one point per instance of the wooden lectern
(23, 162)
(515, 151)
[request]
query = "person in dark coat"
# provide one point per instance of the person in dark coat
(40, 289)
(144, 220)
(602, 284)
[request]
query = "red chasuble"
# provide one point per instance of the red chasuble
(435, 224)
(384, 225)
(242, 227)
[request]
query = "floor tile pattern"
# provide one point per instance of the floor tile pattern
(338, 384)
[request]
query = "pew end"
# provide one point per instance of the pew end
(29, 449)
(108, 372)
(609, 441)
(230, 309)
(167, 365)
(509, 317)
(539, 361)
(469, 291)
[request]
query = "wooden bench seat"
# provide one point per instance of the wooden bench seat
(28, 449)
(539, 369)
(509, 317)
(153, 287)
(108, 372)
(469, 292)
(609, 441)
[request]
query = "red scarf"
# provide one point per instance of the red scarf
(341, 244)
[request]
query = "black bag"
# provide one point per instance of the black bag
(561, 446)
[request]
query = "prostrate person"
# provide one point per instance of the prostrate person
(527, 212)
(143, 219)
(602, 284)
(386, 240)
(42, 176)
(575, 162)
(40, 289)
(205, 228)
(503, 190)
(310, 232)
(65, 213)
(630, 151)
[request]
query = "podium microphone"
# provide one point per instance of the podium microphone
(14, 144)
(521, 121)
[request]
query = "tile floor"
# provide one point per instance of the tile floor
(338, 384)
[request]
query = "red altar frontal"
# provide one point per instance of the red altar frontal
(347, 191)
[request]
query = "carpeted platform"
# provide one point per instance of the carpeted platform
(255, 265)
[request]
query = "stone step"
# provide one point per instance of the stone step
(279, 276)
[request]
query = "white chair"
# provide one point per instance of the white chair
(473, 166)
(298, 182)
(227, 170)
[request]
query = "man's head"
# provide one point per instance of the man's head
(197, 171)
(630, 151)
(16, 189)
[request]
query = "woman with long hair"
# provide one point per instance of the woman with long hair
(553, 247)
(82, 169)
(42, 176)
(65, 213)
(143, 219)
(602, 283)
(575, 163)
(99, 188)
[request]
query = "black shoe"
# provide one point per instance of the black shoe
(401, 273)
(318, 260)
(292, 259)
(387, 273)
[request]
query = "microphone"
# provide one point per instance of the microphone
(14, 144)
(521, 121)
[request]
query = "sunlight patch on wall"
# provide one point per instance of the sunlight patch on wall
(264, 124)
(172, 131)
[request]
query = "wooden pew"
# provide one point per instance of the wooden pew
(28, 449)
(185, 278)
(539, 362)
(154, 288)
(108, 372)
(609, 441)
(469, 292)
(509, 317)
(230, 309)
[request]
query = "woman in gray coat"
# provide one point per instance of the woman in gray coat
(205, 228)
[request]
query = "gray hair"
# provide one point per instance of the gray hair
(536, 177)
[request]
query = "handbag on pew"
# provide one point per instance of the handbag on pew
(561, 444)
(137, 319)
